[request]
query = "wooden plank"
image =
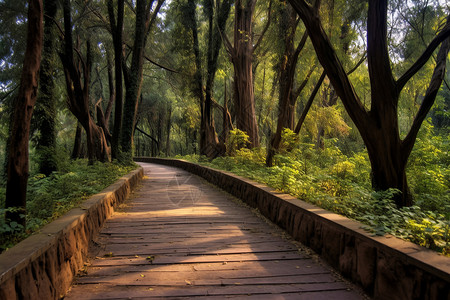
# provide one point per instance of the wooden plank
(183, 259)
(104, 291)
(230, 270)
(198, 279)
(215, 248)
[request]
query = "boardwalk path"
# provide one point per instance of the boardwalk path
(180, 237)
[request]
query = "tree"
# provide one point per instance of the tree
(378, 126)
(145, 18)
(203, 88)
(117, 32)
(78, 91)
(287, 66)
(45, 111)
(209, 143)
(241, 53)
(17, 168)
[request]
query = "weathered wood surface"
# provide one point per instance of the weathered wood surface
(180, 237)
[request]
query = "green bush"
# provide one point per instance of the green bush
(52, 196)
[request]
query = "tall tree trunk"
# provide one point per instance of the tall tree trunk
(133, 84)
(144, 20)
(168, 127)
(45, 110)
(117, 29)
(206, 133)
(211, 142)
(17, 169)
(379, 127)
(112, 91)
(78, 92)
(288, 63)
(242, 58)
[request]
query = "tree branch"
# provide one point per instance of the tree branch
(159, 65)
(363, 58)
(430, 97)
(421, 61)
(304, 82)
(149, 136)
(309, 103)
(265, 27)
(227, 43)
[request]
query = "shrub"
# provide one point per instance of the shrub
(50, 197)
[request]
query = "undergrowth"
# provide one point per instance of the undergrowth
(341, 183)
(50, 197)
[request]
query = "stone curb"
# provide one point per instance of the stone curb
(386, 267)
(44, 265)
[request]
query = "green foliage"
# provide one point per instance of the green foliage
(52, 196)
(237, 139)
(341, 184)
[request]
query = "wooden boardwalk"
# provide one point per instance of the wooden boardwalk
(179, 237)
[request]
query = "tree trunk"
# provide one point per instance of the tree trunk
(112, 91)
(17, 169)
(78, 93)
(117, 29)
(211, 143)
(242, 58)
(76, 152)
(168, 127)
(45, 111)
(133, 84)
(288, 63)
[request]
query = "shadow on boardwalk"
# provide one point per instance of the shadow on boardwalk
(179, 237)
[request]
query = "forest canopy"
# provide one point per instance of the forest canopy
(330, 99)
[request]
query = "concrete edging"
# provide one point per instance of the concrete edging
(44, 265)
(386, 267)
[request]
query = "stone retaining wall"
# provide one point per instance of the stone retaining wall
(384, 266)
(44, 265)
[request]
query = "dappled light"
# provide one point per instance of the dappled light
(210, 247)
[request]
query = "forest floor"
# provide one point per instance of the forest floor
(178, 236)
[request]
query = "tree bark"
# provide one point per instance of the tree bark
(133, 84)
(168, 128)
(288, 63)
(208, 136)
(242, 58)
(117, 30)
(17, 168)
(78, 92)
(76, 151)
(45, 111)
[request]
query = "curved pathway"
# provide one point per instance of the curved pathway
(179, 237)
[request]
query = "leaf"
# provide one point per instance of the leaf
(110, 254)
